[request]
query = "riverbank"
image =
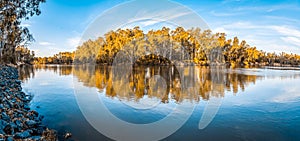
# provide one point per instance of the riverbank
(18, 121)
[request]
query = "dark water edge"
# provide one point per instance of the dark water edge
(18, 121)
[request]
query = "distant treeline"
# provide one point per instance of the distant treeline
(60, 58)
(200, 47)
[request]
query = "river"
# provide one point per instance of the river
(250, 104)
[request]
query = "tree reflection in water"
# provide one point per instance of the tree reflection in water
(195, 83)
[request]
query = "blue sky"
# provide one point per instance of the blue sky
(268, 25)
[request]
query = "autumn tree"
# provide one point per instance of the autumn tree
(194, 45)
(24, 55)
(12, 34)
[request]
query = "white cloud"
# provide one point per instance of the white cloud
(43, 43)
(148, 23)
(73, 42)
(284, 30)
(25, 25)
(281, 18)
(242, 25)
(292, 40)
(288, 35)
(221, 30)
(169, 14)
(141, 24)
(268, 37)
(251, 8)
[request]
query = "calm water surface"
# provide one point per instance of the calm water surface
(257, 104)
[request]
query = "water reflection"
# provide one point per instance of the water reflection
(259, 110)
(26, 72)
(195, 83)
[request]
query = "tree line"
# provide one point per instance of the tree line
(193, 45)
(162, 45)
(60, 58)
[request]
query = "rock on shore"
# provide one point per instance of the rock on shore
(17, 120)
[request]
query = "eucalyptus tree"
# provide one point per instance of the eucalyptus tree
(12, 33)
(201, 47)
